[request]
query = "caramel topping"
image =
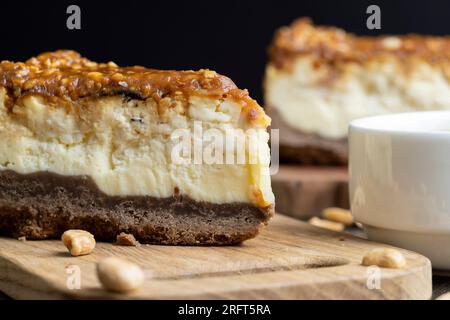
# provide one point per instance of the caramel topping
(332, 45)
(66, 74)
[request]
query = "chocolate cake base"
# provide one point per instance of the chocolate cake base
(43, 205)
(298, 147)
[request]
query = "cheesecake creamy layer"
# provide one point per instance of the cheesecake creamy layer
(321, 78)
(309, 101)
(124, 145)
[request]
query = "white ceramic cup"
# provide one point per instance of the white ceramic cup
(400, 181)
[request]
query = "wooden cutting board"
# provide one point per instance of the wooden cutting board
(289, 260)
(304, 191)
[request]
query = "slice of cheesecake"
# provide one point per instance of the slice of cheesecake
(318, 79)
(92, 146)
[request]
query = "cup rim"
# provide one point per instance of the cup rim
(420, 123)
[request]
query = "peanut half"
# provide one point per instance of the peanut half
(338, 215)
(325, 224)
(79, 242)
(445, 296)
(384, 257)
(119, 275)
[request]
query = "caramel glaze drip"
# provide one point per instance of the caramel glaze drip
(332, 45)
(66, 74)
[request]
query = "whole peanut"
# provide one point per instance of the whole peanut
(325, 224)
(119, 275)
(338, 215)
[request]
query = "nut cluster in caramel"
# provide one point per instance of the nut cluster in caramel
(66, 74)
(332, 45)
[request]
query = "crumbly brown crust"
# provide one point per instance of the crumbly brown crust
(43, 205)
(312, 155)
(66, 74)
(298, 147)
(330, 45)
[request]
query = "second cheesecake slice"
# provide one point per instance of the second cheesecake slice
(319, 79)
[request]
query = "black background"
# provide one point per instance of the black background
(229, 36)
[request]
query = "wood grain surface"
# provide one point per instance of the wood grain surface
(289, 260)
(303, 191)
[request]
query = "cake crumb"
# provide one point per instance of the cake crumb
(127, 239)
(22, 238)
